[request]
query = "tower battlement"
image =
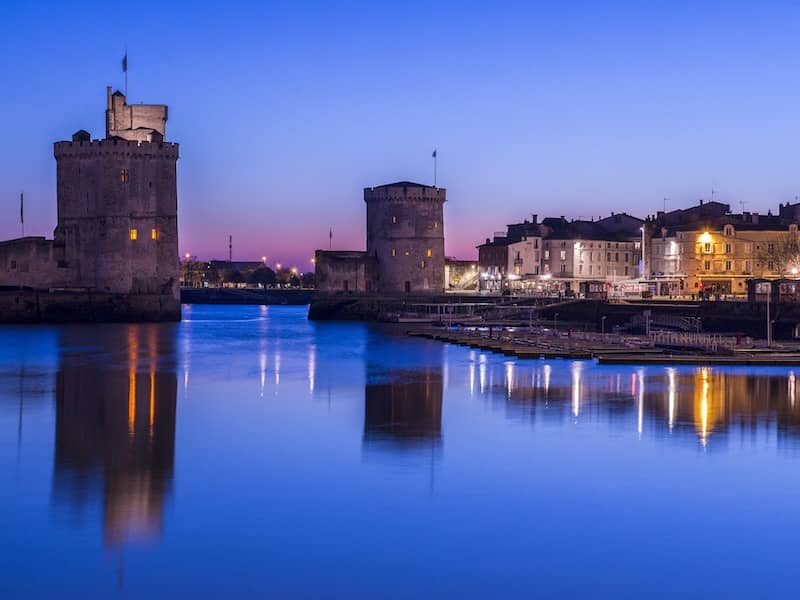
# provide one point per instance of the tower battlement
(116, 147)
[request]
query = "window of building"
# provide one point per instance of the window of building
(616, 256)
(436, 224)
(770, 266)
(727, 265)
(770, 247)
(626, 258)
(707, 247)
(429, 253)
(394, 219)
(154, 234)
(547, 254)
(626, 269)
(563, 268)
(608, 256)
(134, 234)
(727, 248)
(536, 243)
(707, 265)
(546, 268)
(422, 264)
(747, 266)
(394, 251)
(408, 253)
(590, 269)
(563, 255)
(123, 175)
(580, 269)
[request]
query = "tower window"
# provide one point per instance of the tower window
(394, 219)
(429, 253)
(394, 251)
(154, 234)
(123, 175)
(134, 234)
(422, 264)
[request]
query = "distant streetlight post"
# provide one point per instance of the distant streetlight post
(603, 325)
(555, 322)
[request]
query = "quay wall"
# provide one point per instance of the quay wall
(245, 296)
(81, 306)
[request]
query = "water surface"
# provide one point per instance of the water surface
(246, 452)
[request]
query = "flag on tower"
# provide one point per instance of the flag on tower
(434, 154)
(125, 62)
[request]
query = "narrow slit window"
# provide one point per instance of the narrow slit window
(123, 175)
(429, 253)
(134, 234)
(154, 234)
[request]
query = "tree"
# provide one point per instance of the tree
(782, 253)
(236, 277)
(262, 276)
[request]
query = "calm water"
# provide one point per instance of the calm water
(247, 452)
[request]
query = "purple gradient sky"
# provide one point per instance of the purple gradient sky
(286, 110)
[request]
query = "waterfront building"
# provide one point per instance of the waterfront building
(117, 231)
(557, 254)
(706, 249)
(405, 245)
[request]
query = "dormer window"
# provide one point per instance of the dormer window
(729, 230)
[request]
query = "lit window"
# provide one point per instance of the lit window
(134, 234)
(154, 234)
(394, 252)
(727, 265)
(394, 219)
(123, 176)
(422, 264)
(429, 253)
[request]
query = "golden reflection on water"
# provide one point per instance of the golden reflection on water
(708, 400)
(115, 430)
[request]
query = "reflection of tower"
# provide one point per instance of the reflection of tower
(405, 411)
(115, 430)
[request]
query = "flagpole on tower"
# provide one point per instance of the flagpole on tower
(22, 212)
(434, 167)
(125, 70)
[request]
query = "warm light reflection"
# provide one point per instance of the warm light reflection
(702, 391)
(482, 372)
(133, 358)
(792, 389)
(547, 371)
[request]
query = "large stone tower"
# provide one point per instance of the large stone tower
(405, 235)
(117, 209)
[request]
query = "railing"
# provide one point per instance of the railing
(705, 341)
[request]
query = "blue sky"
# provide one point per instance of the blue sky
(286, 110)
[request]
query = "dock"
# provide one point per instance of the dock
(612, 349)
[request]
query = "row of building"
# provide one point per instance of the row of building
(701, 250)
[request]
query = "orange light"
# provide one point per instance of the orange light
(154, 234)
(134, 234)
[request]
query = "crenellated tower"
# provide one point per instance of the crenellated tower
(117, 225)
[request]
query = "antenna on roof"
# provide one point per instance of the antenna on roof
(742, 203)
(230, 248)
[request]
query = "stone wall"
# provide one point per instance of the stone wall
(34, 306)
(405, 234)
(31, 262)
(343, 272)
(117, 215)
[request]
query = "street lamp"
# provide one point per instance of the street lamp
(555, 322)
(603, 325)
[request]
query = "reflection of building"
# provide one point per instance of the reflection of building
(405, 411)
(706, 403)
(115, 431)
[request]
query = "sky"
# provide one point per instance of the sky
(285, 111)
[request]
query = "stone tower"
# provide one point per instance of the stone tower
(405, 235)
(117, 225)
